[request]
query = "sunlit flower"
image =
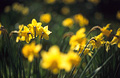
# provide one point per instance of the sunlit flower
(69, 1)
(52, 59)
(116, 38)
(105, 31)
(23, 34)
(68, 22)
(46, 18)
(79, 38)
(31, 50)
(81, 20)
(50, 1)
(97, 41)
(65, 10)
(7, 9)
(44, 33)
(69, 60)
(34, 27)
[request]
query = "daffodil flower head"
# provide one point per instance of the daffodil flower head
(105, 31)
(31, 50)
(68, 22)
(45, 18)
(116, 38)
(52, 59)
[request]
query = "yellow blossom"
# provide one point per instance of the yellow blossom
(116, 39)
(68, 22)
(50, 1)
(46, 18)
(0, 28)
(79, 38)
(98, 41)
(79, 18)
(34, 27)
(105, 31)
(31, 50)
(65, 10)
(44, 33)
(25, 11)
(69, 60)
(52, 59)
(24, 35)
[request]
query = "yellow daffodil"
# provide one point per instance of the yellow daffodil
(31, 50)
(79, 38)
(118, 15)
(69, 60)
(81, 20)
(25, 11)
(50, 1)
(24, 35)
(44, 33)
(105, 31)
(116, 39)
(98, 42)
(52, 59)
(45, 18)
(0, 28)
(68, 22)
(7, 9)
(34, 27)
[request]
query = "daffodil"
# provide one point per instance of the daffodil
(34, 27)
(69, 60)
(68, 22)
(45, 18)
(0, 28)
(79, 38)
(65, 10)
(105, 31)
(107, 45)
(50, 1)
(44, 33)
(97, 41)
(23, 34)
(116, 39)
(31, 50)
(52, 59)
(69, 1)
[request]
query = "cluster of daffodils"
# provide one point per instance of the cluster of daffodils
(78, 19)
(31, 31)
(55, 60)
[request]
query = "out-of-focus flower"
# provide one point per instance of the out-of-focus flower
(98, 16)
(118, 15)
(45, 18)
(81, 20)
(116, 38)
(97, 41)
(52, 59)
(25, 11)
(50, 1)
(7, 9)
(65, 10)
(79, 38)
(69, 1)
(95, 1)
(69, 60)
(31, 50)
(68, 22)
(107, 45)
(105, 31)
